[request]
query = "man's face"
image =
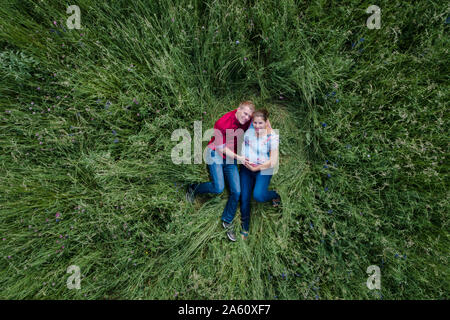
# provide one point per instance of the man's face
(244, 114)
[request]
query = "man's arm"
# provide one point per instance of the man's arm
(221, 142)
(231, 154)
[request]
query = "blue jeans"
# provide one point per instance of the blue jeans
(258, 184)
(221, 171)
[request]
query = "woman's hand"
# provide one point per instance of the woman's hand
(251, 166)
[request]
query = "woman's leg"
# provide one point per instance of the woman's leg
(261, 192)
(247, 182)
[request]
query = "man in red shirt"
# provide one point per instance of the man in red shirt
(222, 157)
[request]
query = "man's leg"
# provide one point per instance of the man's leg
(215, 167)
(261, 192)
(247, 182)
(231, 174)
(217, 184)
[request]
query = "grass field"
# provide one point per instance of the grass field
(86, 179)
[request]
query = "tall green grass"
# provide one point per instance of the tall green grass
(86, 120)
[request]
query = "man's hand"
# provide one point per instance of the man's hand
(241, 159)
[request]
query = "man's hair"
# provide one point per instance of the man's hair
(247, 103)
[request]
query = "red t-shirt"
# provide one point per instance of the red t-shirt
(228, 121)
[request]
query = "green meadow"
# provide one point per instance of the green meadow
(87, 179)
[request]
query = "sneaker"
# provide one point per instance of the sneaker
(190, 192)
(276, 202)
(226, 225)
(230, 231)
(244, 235)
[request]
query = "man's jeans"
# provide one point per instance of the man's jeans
(258, 184)
(221, 171)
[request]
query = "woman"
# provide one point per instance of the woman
(260, 147)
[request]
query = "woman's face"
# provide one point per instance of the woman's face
(259, 124)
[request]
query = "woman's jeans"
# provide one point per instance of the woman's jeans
(258, 184)
(220, 171)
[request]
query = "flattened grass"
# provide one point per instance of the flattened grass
(87, 178)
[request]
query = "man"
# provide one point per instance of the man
(222, 157)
